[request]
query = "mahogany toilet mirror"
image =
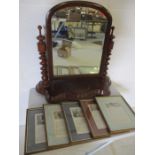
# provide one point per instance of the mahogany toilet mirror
(75, 51)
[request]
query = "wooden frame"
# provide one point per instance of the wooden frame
(30, 144)
(49, 36)
(96, 122)
(56, 131)
(124, 118)
(60, 88)
(76, 134)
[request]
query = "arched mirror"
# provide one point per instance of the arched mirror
(78, 45)
(78, 36)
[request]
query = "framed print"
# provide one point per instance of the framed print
(94, 118)
(76, 123)
(118, 114)
(56, 130)
(35, 139)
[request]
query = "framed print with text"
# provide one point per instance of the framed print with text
(118, 114)
(94, 118)
(56, 130)
(76, 123)
(35, 138)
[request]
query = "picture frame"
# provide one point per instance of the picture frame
(95, 120)
(35, 139)
(56, 131)
(77, 126)
(118, 115)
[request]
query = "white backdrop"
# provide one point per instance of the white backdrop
(121, 68)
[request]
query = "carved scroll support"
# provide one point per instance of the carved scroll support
(44, 83)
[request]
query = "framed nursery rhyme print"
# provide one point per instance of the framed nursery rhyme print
(117, 113)
(35, 139)
(94, 118)
(55, 126)
(77, 126)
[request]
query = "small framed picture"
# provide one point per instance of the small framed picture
(76, 123)
(94, 118)
(35, 138)
(118, 114)
(56, 130)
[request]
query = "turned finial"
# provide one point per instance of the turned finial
(40, 37)
(112, 30)
(39, 28)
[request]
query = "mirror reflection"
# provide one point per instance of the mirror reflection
(78, 35)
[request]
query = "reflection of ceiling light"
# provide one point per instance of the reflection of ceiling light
(92, 72)
(95, 68)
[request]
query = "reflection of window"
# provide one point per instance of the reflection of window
(80, 33)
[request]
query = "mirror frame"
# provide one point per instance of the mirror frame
(60, 6)
(48, 83)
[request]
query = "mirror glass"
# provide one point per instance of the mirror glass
(78, 36)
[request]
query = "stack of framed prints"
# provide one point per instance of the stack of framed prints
(67, 123)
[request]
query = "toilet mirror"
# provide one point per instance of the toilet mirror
(78, 36)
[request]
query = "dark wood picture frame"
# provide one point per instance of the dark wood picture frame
(106, 120)
(30, 146)
(73, 134)
(73, 87)
(95, 131)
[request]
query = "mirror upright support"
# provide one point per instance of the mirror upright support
(44, 83)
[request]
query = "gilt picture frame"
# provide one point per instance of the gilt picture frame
(94, 118)
(56, 131)
(35, 138)
(77, 126)
(118, 115)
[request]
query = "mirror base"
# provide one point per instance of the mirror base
(67, 90)
(40, 88)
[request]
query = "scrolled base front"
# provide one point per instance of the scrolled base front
(77, 90)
